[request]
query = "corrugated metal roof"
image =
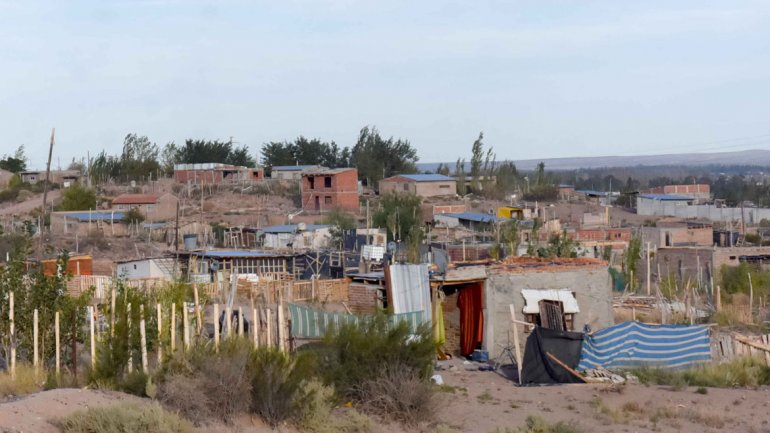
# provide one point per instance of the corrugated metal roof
(665, 197)
(95, 216)
(476, 217)
(426, 177)
(235, 253)
(592, 192)
(292, 228)
(410, 289)
(136, 199)
(294, 167)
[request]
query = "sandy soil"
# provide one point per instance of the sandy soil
(30, 204)
(485, 401)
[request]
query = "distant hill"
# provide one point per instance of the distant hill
(758, 157)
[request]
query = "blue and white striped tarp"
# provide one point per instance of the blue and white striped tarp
(634, 344)
(310, 323)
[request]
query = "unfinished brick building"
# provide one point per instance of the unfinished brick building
(325, 189)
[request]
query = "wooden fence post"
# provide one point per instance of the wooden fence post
(281, 328)
(255, 327)
(229, 321)
(12, 333)
(160, 333)
(185, 328)
(240, 322)
(516, 345)
(143, 340)
(173, 327)
(92, 328)
(198, 314)
(216, 327)
(58, 342)
(269, 314)
(35, 355)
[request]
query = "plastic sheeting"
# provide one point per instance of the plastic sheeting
(410, 289)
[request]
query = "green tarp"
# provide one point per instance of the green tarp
(309, 323)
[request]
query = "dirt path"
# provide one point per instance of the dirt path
(28, 205)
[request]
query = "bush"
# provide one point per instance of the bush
(353, 354)
(203, 384)
(536, 424)
(27, 381)
(743, 372)
(279, 390)
(78, 197)
(124, 418)
(399, 393)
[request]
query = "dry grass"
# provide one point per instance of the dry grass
(743, 372)
(185, 395)
(400, 394)
(26, 381)
(124, 418)
(536, 424)
(633, 411)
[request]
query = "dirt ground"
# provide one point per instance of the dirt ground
(476, 401)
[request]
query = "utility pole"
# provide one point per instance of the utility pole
(45, 190)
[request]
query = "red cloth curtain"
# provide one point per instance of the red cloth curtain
(469, 301)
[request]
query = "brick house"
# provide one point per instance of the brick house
(423, 185)
(700, 192)
(325, 189)
(154, 207)
(59, 177)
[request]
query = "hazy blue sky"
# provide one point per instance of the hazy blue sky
(540, 78)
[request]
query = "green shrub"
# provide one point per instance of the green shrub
(279, 391)
(353, 354)
(536, 424)
(398, 393)
(124, 418)
(743, 372)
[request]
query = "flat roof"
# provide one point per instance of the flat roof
(235, 254)
(294, 167)
(327, 170)
(424, 177)
(666, 197)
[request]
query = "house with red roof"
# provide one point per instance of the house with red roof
(154, 207)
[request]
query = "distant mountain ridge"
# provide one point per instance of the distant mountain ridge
(758, 157)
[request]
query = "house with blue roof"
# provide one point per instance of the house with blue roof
(423, 185)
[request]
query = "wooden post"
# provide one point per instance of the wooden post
(35, 355)
(516, 346)
(228, 322)
(58, 342)
(648, 270)
(255, 327)
(130, 354)
(112, 313)
(12, 334)
(143, 338)
(198, 314)
(173, 327)
(281, 328)
(216, 327)
(751, 298)
(240, 322)
(92, 328)
(185, 328)
(160, 333)
(718, 300)
(269, 319)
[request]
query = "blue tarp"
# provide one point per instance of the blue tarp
(633, 344)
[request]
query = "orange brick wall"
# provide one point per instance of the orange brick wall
(362, 298)
(343, 192)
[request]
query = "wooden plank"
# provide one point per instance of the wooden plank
(566, 367)
(516, 345)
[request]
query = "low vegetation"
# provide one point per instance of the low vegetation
(26, 381)
(743, 372)
(537, 424)
(124, 418)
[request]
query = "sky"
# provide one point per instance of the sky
(540, 78)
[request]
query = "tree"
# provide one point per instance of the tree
(442, 169)
(206, 151)
(133, 216)
(16, 163)
(377, 158)
(168, 158)
(462, 188)
(303, 151)
(78, 197)
(559, 245)
(341, 222)
(401, 215)
(137, 161)
(477, 153)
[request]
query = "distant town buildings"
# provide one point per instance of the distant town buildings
(58, 177)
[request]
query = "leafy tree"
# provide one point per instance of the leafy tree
(377, 158)
(16, 163)
(138, 160)
(133, 216)
(340, 221)
(303, 151)
(78, 197)
(559, 245)
(462, 188)
(442, 169)
(477, 153)
(401, 215)
(205, 151)
(631, 259)
(168, 158)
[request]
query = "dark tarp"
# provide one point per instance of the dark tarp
(538, 368)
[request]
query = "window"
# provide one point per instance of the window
(444, 186)
(406, 187)
(328, 199)
(327, 181)
(311, 181)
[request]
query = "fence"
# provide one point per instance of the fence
(727, 347)
(273, 291)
